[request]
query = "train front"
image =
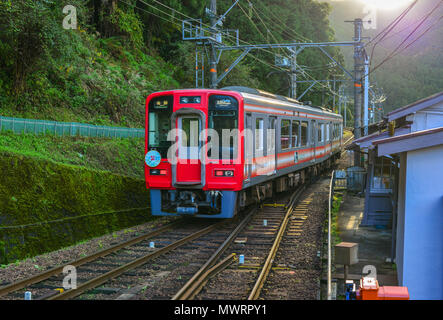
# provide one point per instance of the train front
(193, 152)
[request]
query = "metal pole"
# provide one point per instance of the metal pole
(366, 97)
(213, 55)
(294, 74)
(333, 96)
(358, 75)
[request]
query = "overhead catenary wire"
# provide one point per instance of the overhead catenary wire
(228, 35)
(275, 21)
(391, 26)
(179, 25)
(396, 50)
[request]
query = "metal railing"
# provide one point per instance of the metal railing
(331, 191)
(20, 125)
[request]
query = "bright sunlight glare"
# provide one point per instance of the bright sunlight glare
(387, 4)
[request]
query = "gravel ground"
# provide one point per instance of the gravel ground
(300, 253)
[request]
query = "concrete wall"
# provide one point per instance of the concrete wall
(420, 256)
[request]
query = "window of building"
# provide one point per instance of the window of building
(383, 174)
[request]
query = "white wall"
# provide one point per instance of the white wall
(422, 265)
(431, 117)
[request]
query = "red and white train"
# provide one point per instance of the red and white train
(266, 143)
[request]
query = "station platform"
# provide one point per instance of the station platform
(374, 245)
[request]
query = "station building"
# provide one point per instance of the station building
(404, 191)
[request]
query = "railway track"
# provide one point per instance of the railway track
(258, 241)
(191, 260)
(110, 262)
(282, 258)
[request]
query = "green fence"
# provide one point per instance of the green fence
(19, 125)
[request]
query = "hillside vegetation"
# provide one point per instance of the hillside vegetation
(121, 51)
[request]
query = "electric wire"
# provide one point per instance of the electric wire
(395, 51)
(256, 58)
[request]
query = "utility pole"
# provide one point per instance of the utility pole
(194, 30)
(213, 55)
(358, 75)
(366, 98)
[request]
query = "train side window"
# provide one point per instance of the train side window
(319, 132)
(259, 134)
(295, 133)
(328, 131)
(285, 136)
(304, 133)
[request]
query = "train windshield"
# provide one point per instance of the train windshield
(223, 119)
(159, 122)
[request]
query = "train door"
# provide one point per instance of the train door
(313, 138)
(271, 145)
(249, 144)
(189, 166)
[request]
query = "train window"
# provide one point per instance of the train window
(259, 134)
(295, 133)
(285, 136)
(328, 130)
(189, 140)
(319, 132)
(159, 122)
(304, 133)
(271, 135)
(223, 118)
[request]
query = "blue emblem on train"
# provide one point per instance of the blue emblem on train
(153, 158)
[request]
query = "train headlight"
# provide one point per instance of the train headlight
(224, 173)
(190, 99)
(158, 172)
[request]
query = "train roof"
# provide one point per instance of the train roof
(266, 97)
(250, 93)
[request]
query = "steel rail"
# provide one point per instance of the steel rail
(93, 283)
(255, 293)
(201, 282)
(194, 285)
(58, 270)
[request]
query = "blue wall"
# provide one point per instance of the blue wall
(422, 259)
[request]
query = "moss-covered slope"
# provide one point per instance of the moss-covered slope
(34, 191)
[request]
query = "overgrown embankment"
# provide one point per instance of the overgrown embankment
(84, 202)
(121, 156)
